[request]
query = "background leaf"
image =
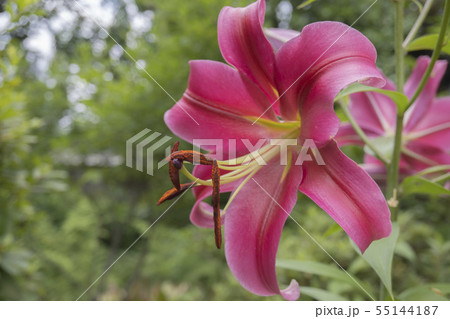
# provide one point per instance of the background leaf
(417, 184)
(316, 268)
(321, 295)
(379, 256)
(428, 42)
(426, 292)
(398, 98)
(334, 228)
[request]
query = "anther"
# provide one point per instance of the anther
(172, 193)
(215, 177)
(192, 157)
(173, 168)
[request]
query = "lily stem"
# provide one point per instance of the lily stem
(435, 55)
(362, 135)
(423, 14)
(393, 168)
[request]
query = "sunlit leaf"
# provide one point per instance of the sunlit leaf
(305, 3)
(332, 230)
(428, 42)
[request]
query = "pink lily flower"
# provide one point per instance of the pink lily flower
(426, 131)
(284, 95)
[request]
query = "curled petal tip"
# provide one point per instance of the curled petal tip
(292, 292)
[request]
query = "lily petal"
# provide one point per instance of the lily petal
(420, 107)
(349, 195)
(307, 86)
(224, 103)
(277, 37)
(374, 112)
(244, 45)
(421, 156)
(347, 136)
(253, 227)
(434, 128)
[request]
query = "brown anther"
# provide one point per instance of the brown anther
(173, 168)
(192, 157)
(215, 177)
(172, 193)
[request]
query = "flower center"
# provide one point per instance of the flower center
(241, 168)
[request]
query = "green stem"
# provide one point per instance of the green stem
(411, 35)
(362, 135)
(436, 53)
(399, 52)
(393, 168)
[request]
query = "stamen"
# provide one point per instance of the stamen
(238, 190)
(215, 176)
(240, 169)
(172, 193)
(174, 168)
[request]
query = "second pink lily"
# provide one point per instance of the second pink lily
(426, 131)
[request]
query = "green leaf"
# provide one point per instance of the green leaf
(304, 4)
(426, 292)
(332, 230)
(428, 42)
(379, 256)
(321, 295)
(398, 98)
(316, 268)
(417, 184)
(405, 250)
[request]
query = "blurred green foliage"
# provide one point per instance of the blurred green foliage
(69, 207)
